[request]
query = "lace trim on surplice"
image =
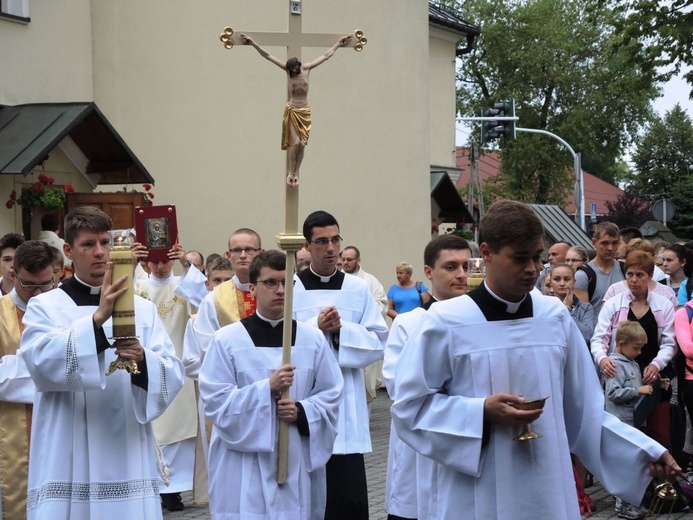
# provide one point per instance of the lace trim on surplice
(92, 491)
(73, 371)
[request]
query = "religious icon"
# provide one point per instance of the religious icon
(157, 229)
(157, 234)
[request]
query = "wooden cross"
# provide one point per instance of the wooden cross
(291, 240)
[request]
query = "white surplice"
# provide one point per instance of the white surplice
(93, 453)
(402, 483)
(235, 390)
(361, 339)
(456, 359)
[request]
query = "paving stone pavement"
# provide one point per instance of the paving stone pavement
(376, 469)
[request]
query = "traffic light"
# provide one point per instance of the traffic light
(494, 128)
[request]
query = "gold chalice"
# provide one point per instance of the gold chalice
(527, 433)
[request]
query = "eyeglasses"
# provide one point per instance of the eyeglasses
(348, 259)
(31, 287)
(271, 283)
(335, 241)
(247, 250)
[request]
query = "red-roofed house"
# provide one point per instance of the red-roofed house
(596, 190)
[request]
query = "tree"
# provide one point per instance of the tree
(663, 165)
(629, 210)
(555, 58)
(657, 34)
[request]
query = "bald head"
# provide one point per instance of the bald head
(557, 252)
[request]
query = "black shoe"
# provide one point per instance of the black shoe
(172, 501)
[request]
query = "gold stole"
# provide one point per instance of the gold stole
(15, 426)
(231, 303)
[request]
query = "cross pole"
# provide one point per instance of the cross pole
(291, 240)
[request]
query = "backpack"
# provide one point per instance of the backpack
(592, 277)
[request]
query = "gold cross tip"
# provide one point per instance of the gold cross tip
(359, 40)
(227, 38)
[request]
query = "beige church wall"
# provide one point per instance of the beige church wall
(205, 121)
(48, 59)
(443, 96)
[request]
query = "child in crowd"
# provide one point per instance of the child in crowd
(624, 389)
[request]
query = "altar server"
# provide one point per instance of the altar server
(343, 309)
(461, 373)
(445, 265)
(241, 382)
(93, 453)
(32, 274)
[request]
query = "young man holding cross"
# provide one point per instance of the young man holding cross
(296, 127)
(241, 382)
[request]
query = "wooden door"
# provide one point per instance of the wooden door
(119, 206)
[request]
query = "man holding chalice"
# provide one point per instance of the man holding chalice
(93, 453)
(459, 381)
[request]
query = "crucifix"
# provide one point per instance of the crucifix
(294, 138)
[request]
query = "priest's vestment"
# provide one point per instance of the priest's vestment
(16, 398)
(236, 395)
(228, 303)
(93, 451)
(175, 431)
(469, 348)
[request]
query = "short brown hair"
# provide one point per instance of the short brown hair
(441, 243)
(87, 218)
(606, 228)
(640, 260)
(509, 222)
(275, 260)
(631, 332)
(32, 256)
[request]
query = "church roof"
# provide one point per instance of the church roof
(441, 15)
(559, 226)
(28, 133)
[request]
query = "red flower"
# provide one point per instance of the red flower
(13, 195)
(50, 180)
(150, 195)
(9, 204)
(43, 178)
(434, 228)
(69, 188)
(36, 186)
(147, 187)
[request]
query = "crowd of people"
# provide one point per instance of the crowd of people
(211, 390)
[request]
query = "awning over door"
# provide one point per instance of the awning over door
(28, 134)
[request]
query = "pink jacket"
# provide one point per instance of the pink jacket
(616, 310)
(684, 336)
